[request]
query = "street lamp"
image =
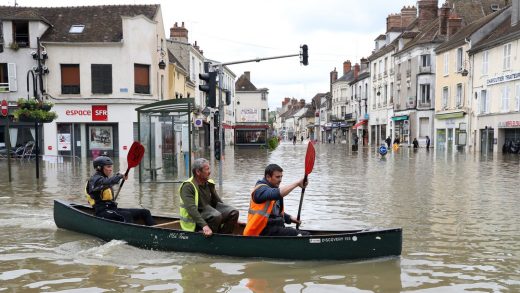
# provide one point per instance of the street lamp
(37, 81)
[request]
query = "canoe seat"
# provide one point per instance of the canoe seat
(170, 225)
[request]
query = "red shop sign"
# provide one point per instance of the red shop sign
(99, 113)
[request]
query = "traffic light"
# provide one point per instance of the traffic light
(216, 119)
(210, 88)
(228, 97)
(217, 150)
(304, 54)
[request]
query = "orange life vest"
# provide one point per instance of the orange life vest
(258, 215)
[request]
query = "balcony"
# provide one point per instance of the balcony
(425, 69)
(348, 116)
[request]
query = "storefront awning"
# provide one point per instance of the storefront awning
(359, 123)
(399, 118)
(450, 115)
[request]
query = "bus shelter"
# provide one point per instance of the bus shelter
(165, 130)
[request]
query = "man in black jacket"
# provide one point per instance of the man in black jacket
(100, 195)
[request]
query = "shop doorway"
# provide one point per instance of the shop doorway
(486, 141)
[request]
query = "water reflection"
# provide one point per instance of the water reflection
(457, 211)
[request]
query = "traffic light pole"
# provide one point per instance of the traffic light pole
(220, 70)
(221, 115)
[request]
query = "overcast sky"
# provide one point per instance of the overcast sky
(233, 30)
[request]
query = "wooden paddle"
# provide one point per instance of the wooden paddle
(309, 164)
(134, 157)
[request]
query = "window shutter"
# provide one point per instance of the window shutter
(11, 69)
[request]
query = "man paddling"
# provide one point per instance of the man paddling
(100, 195)
(266, 211)
(200, 206)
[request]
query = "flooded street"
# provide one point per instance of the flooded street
(459, 215)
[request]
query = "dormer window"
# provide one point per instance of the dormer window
(21, 33)
(495, 7)
(76, 29)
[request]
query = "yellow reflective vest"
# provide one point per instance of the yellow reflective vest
(187, 222)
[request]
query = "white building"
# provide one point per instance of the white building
(97, 76)
(251, 112)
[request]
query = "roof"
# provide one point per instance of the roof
(501, 34)
(244, 84)
(166, 106)
(346, 77)
(460, 37)
(175, 61)
(469, 10)
(102, 23)
(383, 51)
(361, 76)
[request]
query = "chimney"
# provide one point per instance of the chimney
(285, 101)
(408, 15)
(302, 103)
(444, 13)
(333, 75)
(454, 24)
(179, 33)
(247, 74)
(515, 13)
(393, 21)
(356, 71)
(427, 11)
(364, 64)
(346, 67)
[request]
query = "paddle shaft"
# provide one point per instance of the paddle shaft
(301, 202)
(121, 185)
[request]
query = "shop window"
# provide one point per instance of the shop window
(101, 78)
(70, 79)
(142, 78)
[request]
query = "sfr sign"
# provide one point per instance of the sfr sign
(99, 113)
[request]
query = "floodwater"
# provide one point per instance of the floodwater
(459, 215)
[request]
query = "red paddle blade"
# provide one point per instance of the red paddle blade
(309, 158)
(135, 154)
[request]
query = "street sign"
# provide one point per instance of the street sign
(382, 150)
(5, 108)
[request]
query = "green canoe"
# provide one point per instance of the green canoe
(167, 236)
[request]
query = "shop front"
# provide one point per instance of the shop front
(509, 136)
(251, 134)
(88, 131)
(402, 128)
(451, 131)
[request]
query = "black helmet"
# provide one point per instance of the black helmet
(101, 161)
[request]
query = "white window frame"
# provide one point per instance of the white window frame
(459, 95)
(445, 95)
(425, 94)
(446, 63)
(485, 62)
(505, 98)
(507, 56)
(460, 59)
(484, 102)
